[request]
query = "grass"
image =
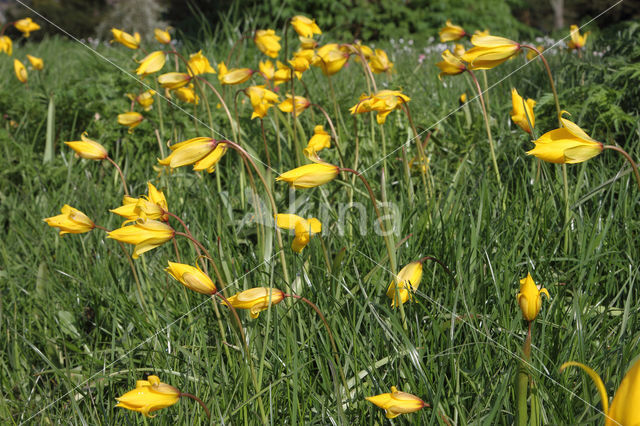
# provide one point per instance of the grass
(76, 334)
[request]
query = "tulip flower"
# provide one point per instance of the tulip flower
(330, 58)
(261, 100)
(577, 40)
(299, 63)
(6, 45)
(126, 39)
(310, 175)
(304, 26)
(154, 206)
(450, 65)
(234, 75)
(199, 64)
(396, 402)
(130, 119)
(319, 141)
(383, 102)
(144, 99)
(521, 112)
(361, 48)
(268, 42)
(463, 99)
(191, 277)
(203, 152)
(20, 70)
(187, 94)
(88, 149)
(148, 396)
(174, 80)
(255, 299)
(304, 229)
(567, 145)
(36, 62)
(308, 43)
(380, 62)
(267, 69)
(459, 50)
(408, 279)
(151, 63)
(26, 26)
(162, 36)
(489, 51)
(282, 74)
(529, 298)
(624, 407)
(71, 221)
(145, 234)
(532, 54)
(302, 103)
(451, 32)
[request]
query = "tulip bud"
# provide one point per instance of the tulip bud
(529, 298)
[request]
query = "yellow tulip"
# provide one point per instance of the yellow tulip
(268, 42)
(26, 26)
(383, 102)
(451, 32)
(130, 119)
(261, 100)
(450, 65)
(531, 54)
(162, 36)
(36, 62)
(6, 45)
(148, 396)
(361, 48)
(187, 94)
(489, 51)
(71, 221)
(459, 50)
(203, 152)
(304, 229)
(145, 234)
(396, 402)
(300, 63)
(310, 175)
(567, 145)
(87, 148)
(154, 206)
(144, 99)
(282, 74)
(521, 111)
(191, 277)
(304, 26)
(301, 104)
(151, 63)
(463, 99)
(624, 407)
(174, 80)
(267, 69)
(234, 75)
(380, 62)
(307, 43)
(20, 70)
(319, 141)
(126, 39)
(199, 64)
(529, 298)
(577, 40)
(407, 280)
(330, 58)
(255, 299)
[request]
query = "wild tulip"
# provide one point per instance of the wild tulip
(87, 148)
(307, 43)
(405, 283)
(459, 50)
(174, 80)
(151, 63)
(261, 100)
(145, 235)
(490, 51)
(304, 229)
(126, 39)
(310, 175)
(304, 26)
(450, 65)
(577, 40)
(255, 299)
(529, 298)
(267, 42)
(203, 152)
(71, 221)
(301, 104)
(395, 402)
(380, 62)
(130, 119)
(299, 63)
(36, 63)
(187, 94)
(154, 206)
(319, 141)
(191, 277)
(26, 26)
(162, 36)
(522, 112)
(233, 76)
(267, 70)
(199, 64)
(330, 58)
(6, 45)
(144, 99)
(451, 32)
(20, 70)
(282, 74)
(149, 395)
(383, 102)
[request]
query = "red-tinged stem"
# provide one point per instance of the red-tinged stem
(244, 37)
(124, 182)
(95, 225)
(333, 131)
(208, 255)
(439, 262)
(628, 158)
(553, 86)
(198, 400)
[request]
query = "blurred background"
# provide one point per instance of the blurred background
(367, 20)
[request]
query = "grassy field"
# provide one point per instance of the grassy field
(77, 333)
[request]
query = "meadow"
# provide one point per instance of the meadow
(82, 321)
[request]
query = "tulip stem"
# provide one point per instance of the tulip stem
(486, 121)
(333, 132)
(421, 153)
(634, 166)
(198, 400)
(523, 380)
(264, 141)
(135, 275)
(208, 255)
(553, 86)
(365, 65)
(124, 182)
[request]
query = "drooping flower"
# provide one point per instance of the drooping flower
(162, 36)
(624, 407)
(462, 99)
(256, 299)
(304, 229)
(261, 100)
(268, 42)
(282, 74)
(566, 145)
(380, 62)
(451, 32)
(145, 234)
(396, 402)
(330, 58)
(203, 152)
(20, 70)
(148, 396)
(319, 141)
(383, 102)
(126, 39)
(529, 298)
(234, 75)
(199, 64)
(191, 277)
(267, 69)
(450, 65)
(300, 62)
(304, 26)
(144, 99)
(87, 148)
(310, 175)
(26, 26)
(187, 94)
(154, 206)
(577, 40)
(36, 63)
(71, 221)
(522, 112)
(174, 80)
(358, 48)
(6, 45)
(301, 103)
(151, 63)
(405, 283)
(490, 51)
(130, 119)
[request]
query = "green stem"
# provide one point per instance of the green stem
(523, 381)
(628, 158)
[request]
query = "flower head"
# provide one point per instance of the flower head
(126, 39)
(450, 65)
(130, 119)
(25, 26)
(301, 103)
(255, 299)
(319, 141)
(234, 75)
(532, 54)
(489, 51)
(151, 63)
(304, 229)
(148, 396)
(199, 64)
(529, 298)
(577, 40)
(20, 70)
(268, 42)
(383, 102)
(407, 281)
(187, 94)
(451, 32)
(304, 26)
(145, 234)
(396, 402)
(71, 221)
(567, 145)
(144, 99)
(87, 148)
(310, 175)
(6, 45)
(300, 62)
(191, 277)
(36, 63)
(282, 74)
(174, 80)
(162, 36)
(330, 58)
(154, 206)
(261, 100)
(380, 62)
(267, 69)
(203, 152)
(522, 112)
